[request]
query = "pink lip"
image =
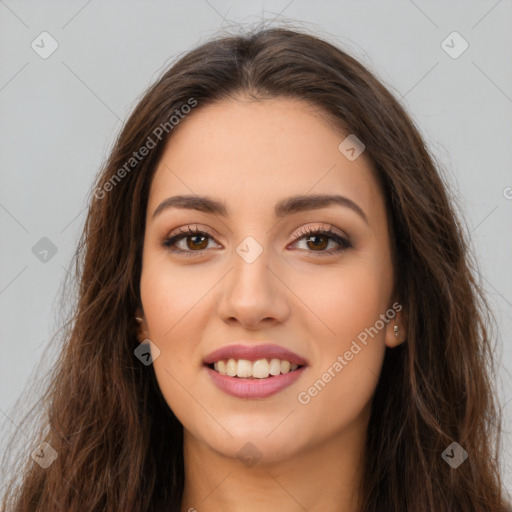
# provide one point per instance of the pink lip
(253, 388)
(253, 353)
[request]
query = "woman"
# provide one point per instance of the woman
(277, 308)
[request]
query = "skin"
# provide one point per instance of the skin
(251, 155)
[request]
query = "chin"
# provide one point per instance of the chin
(252, 447)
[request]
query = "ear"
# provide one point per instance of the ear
(393, 339)
(141, 326)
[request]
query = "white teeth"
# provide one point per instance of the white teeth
(260, 369)
(244, 368)
(275, 367)
(231, 367)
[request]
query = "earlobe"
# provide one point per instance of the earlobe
(395, 332)
(141, 327)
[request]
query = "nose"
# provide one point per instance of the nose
(254, 295)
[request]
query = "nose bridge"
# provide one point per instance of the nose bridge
(251, 272)
(253, 292)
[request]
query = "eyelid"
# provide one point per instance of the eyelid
(303, 230)
(316, 226)
(192, 229)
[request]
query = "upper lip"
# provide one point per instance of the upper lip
(253, 353)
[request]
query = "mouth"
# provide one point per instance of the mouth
(250, 371)
(265, 368)
(253, 379)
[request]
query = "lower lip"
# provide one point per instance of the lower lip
(254, 388)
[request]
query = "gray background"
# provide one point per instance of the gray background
(59, 117)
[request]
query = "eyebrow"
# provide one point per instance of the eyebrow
(284, 207)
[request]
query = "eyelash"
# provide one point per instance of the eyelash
(187, 232)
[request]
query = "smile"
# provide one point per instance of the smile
(260, 369)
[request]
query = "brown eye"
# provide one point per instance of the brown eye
(196, 242)
(317, 240)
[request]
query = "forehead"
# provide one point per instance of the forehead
(250, 153)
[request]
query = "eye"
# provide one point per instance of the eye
(195, 240)
(318, 239)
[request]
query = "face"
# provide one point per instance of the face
(312, 278)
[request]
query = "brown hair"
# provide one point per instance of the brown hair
(120, 446)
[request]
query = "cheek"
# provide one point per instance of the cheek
(173, 300)
(346, 299)
(175, 305)
(177, 364)
(349, 347)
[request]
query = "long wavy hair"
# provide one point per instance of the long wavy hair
(119, 445)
